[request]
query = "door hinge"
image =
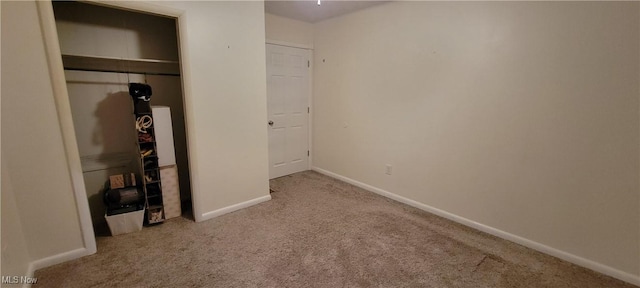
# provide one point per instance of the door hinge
(308, 63)
(308, 110)
(307, 153)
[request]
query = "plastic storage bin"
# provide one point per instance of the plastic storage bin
(125, 222)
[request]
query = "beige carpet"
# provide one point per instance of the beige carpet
(317, 232)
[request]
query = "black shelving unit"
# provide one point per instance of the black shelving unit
(149, 170)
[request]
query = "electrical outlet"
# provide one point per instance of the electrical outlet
(388, 169)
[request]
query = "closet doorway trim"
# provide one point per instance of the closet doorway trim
(63, 107)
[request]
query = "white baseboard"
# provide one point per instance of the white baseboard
(56, 259)
(77, 253)
(598, 267)
(229, 209)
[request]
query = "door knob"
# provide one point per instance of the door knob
(270, 123)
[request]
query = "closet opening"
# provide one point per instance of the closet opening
(103, 50)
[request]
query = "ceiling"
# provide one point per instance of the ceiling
(309, 11)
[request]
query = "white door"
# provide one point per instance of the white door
(287, 109)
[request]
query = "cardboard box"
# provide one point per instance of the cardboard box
(170, 191)
(122, 180)
(125, 222)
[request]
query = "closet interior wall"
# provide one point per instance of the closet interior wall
(100, 102)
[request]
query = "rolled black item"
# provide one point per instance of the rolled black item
(141, 94)
(115, 198)
(140, 91)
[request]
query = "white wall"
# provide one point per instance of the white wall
(32, 145)
(15, 255)
(288, 30)
(226, 92)
(227, 100)
(520, 116)
(101, 108)
(102, 112)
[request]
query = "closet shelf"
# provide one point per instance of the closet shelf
(121, 65)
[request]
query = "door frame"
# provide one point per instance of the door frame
(63, 109)
(309, 93)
